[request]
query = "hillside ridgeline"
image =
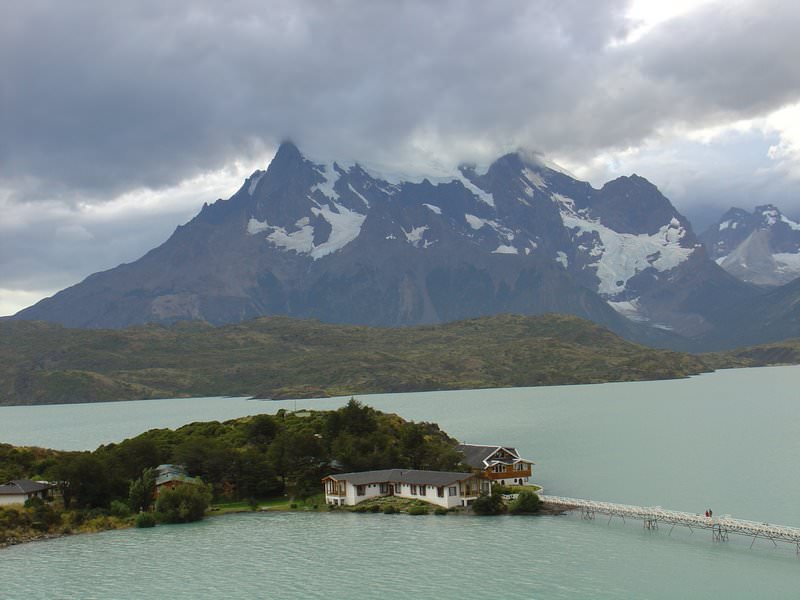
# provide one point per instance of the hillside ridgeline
(279, 357)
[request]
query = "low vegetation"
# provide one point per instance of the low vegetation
(278, 357)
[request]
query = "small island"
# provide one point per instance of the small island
(288, 461)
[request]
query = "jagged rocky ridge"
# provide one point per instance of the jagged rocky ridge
(338, 243)
(762, 247)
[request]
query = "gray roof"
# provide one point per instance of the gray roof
(437, 478)
(24, 486)
(476, 455)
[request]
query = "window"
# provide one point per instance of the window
(440, 492)
(384, 488)
(360, 490)
(453, 491)
(423, 490)
(498, 468)
(520, 466)
(413, 490)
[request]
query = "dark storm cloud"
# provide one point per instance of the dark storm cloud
(101, 98)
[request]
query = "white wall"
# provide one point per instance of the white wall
(12, 499)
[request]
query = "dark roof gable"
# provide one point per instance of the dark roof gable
(437, 478)
(23, 486)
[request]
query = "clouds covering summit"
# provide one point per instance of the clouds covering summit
(119, 120)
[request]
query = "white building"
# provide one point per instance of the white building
(20, 490)
(442, 488)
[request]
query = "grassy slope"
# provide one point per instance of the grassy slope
(278, 357)
(778, 353)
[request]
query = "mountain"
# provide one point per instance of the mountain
(762, 247)
(340, 244)
(274, 357)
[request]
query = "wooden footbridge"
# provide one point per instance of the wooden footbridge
(652, 516)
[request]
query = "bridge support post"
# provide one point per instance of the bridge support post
(718, 534)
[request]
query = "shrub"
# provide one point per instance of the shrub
(390, 509)
(375, 508)
(489, 505)
(500, 489)
(360, 509)
(440, 511)
(119, 509)
(184, 503)
(145, 519)
(418, 510)
(293, 505)
(525, 503)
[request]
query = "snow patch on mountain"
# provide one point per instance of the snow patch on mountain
(254, 179)
(629, 309)
(482, 195)
(345, 227)
(358, 194)
(301, 240)
(790, 223)
(535, 179)
(787, 262)
(620, 256)
(255, 226)
(478, 223)
(504, 249)
(329, 175)
(433, 209)
(561, 257)
(415, 235)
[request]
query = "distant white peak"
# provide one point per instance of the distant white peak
(254, 179)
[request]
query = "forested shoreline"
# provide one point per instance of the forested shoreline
(242, 460)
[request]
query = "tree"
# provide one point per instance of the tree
(140, 491)
(184, 504)
(262, 429)
(85, 480)
(489, 504)
(526, 503)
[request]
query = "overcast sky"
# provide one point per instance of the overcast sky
(118, 120)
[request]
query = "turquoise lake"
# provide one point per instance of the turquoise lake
(728, 440)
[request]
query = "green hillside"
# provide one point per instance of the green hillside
(786, 352)
(278, 357)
